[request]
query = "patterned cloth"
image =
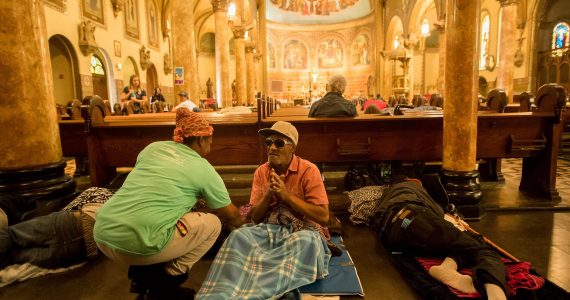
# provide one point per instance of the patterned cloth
(264, 261)
(517, 274)
(189, 123)
(363, 202)
(89, 196)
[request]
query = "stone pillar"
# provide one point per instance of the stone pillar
(459, 173)
(441, 73)
(31, 163)
(239, 35)
(507, 47)
(249, 53)
(223, 89)
(262, 44)
(184, 49)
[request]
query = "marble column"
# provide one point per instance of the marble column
(441, 73)
(31, 163)
(507, 47)
(241, 75)
(262, 44)
(459, 173)
(184, 49)
(223, 89)
(249, 55)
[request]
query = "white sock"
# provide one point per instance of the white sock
(447, 274)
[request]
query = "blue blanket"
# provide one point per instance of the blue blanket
(342, 279)
(264, 261)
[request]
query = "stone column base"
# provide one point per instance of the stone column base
(464, 192)
(43, 189)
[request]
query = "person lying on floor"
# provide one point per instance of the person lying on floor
(58, 240)
(148, 223)
(287, 246)
(408, 220)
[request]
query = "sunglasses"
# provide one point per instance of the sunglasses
(279, 143)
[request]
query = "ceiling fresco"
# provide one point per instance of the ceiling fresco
(317, 11)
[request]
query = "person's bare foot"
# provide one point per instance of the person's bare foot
(447, 274)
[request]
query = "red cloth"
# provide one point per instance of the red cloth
(379, 103)
(517, 274)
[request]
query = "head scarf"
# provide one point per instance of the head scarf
(189, 123)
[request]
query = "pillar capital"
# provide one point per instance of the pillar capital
(249, 47)
(507, 2)
(239, 31)
(219, 5)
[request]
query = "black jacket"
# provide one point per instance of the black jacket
(332, 105)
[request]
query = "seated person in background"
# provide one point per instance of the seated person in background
(408, 220)
(187, 103)
(286, 247)
(372, 109)
(333, 104)
(135, 96)
(157, 96)
(380, 104)
(148, 223)
(57, 240)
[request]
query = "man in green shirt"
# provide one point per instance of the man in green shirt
(148, 224)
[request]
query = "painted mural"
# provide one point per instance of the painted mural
(330, 54)
(317, 11)
(314, 7)
(361, 50)
(294, 55)
(271, 56)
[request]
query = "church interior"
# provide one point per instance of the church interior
(495, 74)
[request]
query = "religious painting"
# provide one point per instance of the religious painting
(132, 19)
(152, 22)
(208, 43)
(360, 50)
(294, 55)
(314, 7)
(270, 56)
(93, 9)
(117, 46)
(330, 54)
(59, 5)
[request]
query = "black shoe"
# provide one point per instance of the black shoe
(168, 287)
(142, 277)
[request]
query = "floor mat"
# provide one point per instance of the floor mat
(342, 280)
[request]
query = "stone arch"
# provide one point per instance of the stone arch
(65, 70)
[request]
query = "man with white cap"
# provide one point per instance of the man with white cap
(289, 205)
(148, 223)
(185, 102)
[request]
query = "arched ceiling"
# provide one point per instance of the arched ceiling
(317, 11)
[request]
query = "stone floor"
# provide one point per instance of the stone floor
(531, 230)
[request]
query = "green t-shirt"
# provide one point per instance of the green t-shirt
(165, 184)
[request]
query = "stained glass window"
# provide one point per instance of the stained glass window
(484, 50)
(96, 66)
(560, 36)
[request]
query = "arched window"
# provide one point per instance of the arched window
(560, 36)
(97, 66)
(484, 50)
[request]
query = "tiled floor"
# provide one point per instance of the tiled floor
(538, 233)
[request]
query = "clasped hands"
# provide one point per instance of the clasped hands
(277, 186)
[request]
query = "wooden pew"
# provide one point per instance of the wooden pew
(115, 141)
(417, 136)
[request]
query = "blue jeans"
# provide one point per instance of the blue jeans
(51, 241)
